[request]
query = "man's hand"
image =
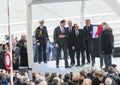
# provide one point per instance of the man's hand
(14, 58)
(90, 32)
(38, 44)
(73, 47)
(56, 45)
(61, 36)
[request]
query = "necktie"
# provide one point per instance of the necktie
(14, 48)
(70, 29)
(87, 28)
(62, 30)
(77, 32)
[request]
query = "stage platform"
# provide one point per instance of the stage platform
(51, 66)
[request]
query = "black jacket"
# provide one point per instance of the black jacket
(41, 34)
(59, 41)
(79, 41)
(88, 34)
(88, 38)
(70, 37)
(106, 42)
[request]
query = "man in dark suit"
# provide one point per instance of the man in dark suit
(89, 41)
(79, 44)
(41, 37)
(70, 42)
(60, 39)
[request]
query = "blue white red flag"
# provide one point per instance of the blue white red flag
(96, 29)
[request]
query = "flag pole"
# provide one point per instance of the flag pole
(10, 42)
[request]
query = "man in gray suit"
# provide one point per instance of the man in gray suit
(60, 39)
(15, 55)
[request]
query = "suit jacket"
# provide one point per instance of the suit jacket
(59, 41)
(79, 41)
(88, 30)
(41, 34)
(70, 37)
(15, 53)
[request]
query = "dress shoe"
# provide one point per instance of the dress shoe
(67, 66)
(57, 66)
(105, 69)
(77, 65)
(88, 63)
(82, 65)
(72, 64)
(39, 62)
(45, 61)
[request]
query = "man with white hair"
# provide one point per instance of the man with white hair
(107, 44)
(43, 83)
(108, 81)
(87, 82)
(89, 42)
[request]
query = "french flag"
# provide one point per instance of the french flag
(96, 29)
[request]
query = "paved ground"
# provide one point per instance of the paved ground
(51, 67)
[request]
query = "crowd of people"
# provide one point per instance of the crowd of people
(19, 52)
(84, 77)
